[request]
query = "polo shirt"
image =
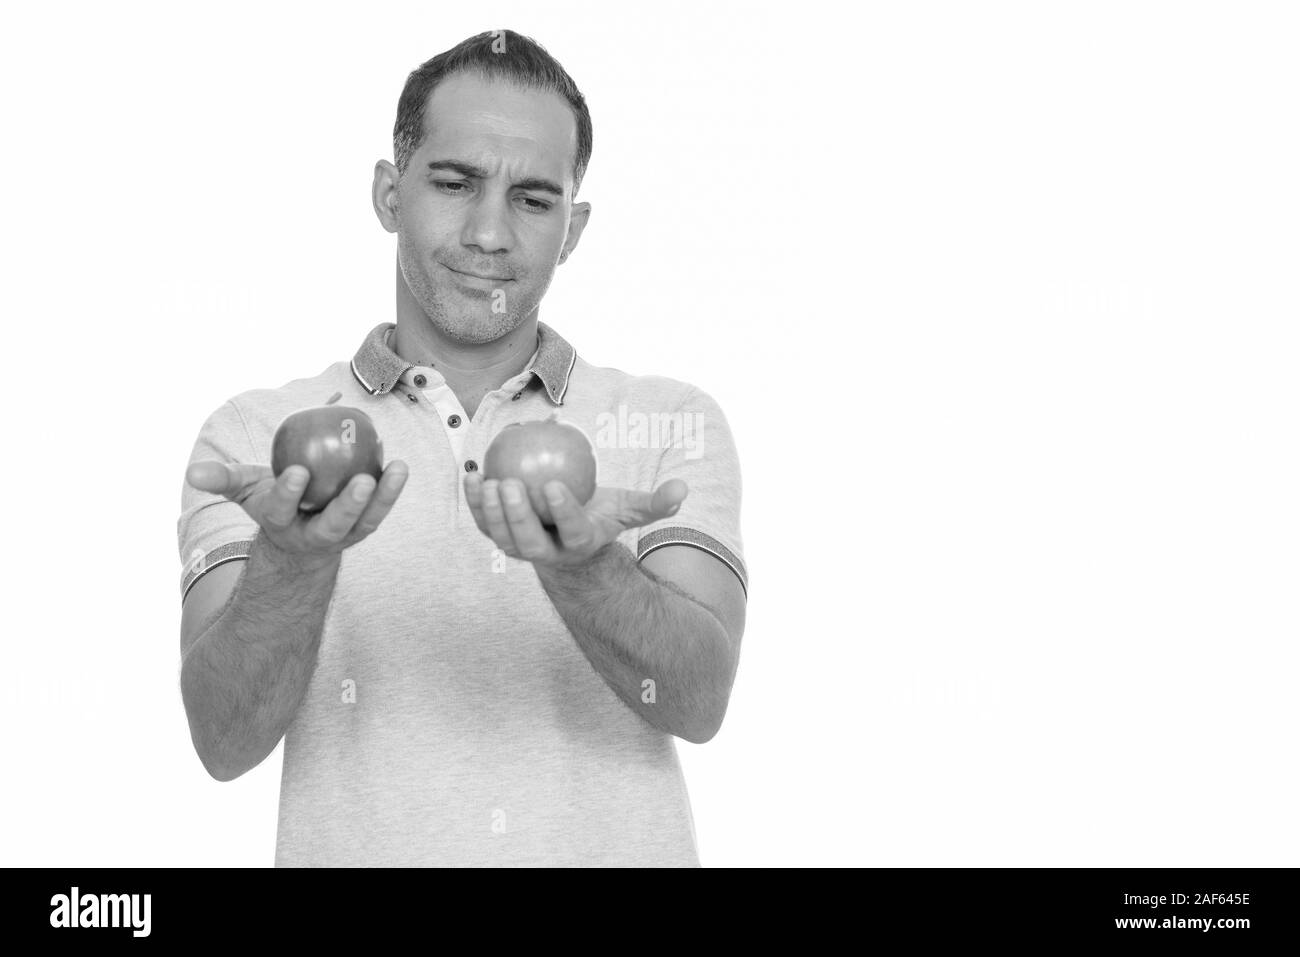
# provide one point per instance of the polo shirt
(452, 719)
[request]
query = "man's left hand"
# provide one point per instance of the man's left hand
(503, 513)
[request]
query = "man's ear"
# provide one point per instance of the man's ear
(383, 194)
(577, 223)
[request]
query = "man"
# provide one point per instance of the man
(457, 684)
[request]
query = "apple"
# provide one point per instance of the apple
(537, 452)
(334, 443)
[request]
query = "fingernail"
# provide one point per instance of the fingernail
(554, 496)
(511, 494)
(361, 492)
(296, 479)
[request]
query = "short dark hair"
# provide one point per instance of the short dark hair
(494, 54)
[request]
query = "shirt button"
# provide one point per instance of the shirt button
(454, 421)
(515, 397)
(411, 397)
(420, 381)
(471, 466)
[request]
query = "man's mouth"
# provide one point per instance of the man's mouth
(488, 277)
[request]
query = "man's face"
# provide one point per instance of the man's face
(484, 208)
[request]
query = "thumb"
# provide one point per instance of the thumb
(668, 498)
(224, 478)
(209, 476)
(638, 509)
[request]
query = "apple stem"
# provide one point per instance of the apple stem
(334, 398)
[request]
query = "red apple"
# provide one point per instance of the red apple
(537, 452)
(334, 443)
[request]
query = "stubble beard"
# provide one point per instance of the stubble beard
(458, 319)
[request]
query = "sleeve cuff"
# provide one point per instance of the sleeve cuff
(234, 551)
(689, 536)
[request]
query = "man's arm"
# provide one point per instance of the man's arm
(669, 655)
(246, 668)
(675, 621)
(245, 674)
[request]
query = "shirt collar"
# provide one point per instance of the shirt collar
(378, 368)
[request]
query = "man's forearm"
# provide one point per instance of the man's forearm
(245, 676)
(634, 629)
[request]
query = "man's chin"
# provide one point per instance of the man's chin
(474, 327)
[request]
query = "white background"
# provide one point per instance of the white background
(999, 299)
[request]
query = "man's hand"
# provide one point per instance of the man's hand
(273, 503)
(504, 514)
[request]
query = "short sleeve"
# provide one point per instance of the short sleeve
(211, 529)
(702, 453)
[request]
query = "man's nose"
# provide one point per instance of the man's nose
(488, 224)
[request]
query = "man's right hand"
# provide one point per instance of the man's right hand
(273, 503)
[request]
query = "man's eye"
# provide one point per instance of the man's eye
(447, 186)
(535, 205)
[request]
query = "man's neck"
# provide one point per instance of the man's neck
(472, 370)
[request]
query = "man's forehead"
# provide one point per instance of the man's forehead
(469, 113)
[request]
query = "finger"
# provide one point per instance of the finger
(391, 483)
(494, 517)
(286, 495)
(474, 499)
(575, 526)
(332, 525)
(230, 479)
(532, 541)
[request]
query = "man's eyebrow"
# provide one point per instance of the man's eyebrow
(540, 185)
(456, 166)
(535, 183)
